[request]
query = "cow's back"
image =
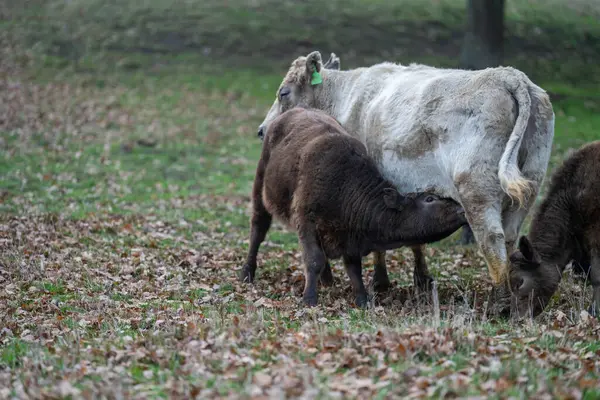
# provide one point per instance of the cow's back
(424, 126)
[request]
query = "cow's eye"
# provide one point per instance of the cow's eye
(284, 91)
(429, 199)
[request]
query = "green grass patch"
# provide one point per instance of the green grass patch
(12, 353)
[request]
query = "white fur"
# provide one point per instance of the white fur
(477, 122)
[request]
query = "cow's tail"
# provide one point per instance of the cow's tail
(511, 180)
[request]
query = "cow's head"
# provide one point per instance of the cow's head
(298, 86)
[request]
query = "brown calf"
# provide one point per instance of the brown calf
(321, 183)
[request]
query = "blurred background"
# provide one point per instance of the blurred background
(553, 40)
(177, 87)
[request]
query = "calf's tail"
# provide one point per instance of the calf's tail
(512, 181)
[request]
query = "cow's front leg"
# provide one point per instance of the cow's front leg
(381, 281)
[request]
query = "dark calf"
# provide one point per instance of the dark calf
(321, 183)
(565, 228)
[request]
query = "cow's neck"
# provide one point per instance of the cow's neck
(337, 99)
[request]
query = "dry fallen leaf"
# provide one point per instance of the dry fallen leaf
(262, 379)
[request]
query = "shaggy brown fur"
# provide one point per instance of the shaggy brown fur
(320, 181)
(565, 228)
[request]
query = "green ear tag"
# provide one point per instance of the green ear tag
(316, 78)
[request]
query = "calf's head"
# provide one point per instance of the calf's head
(530, 286)
(426, 217)
(298, 86)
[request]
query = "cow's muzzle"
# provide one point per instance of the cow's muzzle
(261, 132)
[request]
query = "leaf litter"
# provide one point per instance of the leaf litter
(139, 305)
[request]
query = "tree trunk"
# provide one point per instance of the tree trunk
(483, 45)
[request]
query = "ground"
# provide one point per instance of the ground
(125, 210)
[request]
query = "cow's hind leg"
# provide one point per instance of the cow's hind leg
(490, 237)
(466, 236)
(534, 170)
(481, 199)
(381, 281)
(512, 220)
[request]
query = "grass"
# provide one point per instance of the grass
(124, 206)
(552, 40)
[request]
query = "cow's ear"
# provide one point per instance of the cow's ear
(314, 63)
(333, 62)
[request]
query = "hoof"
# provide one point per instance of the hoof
(361, 301)
(424, 283)
(381, 285)
(326, 277)
(309, 301)
(246, 274)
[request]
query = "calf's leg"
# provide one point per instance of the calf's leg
(314, 261)
(381, 281)
(327, 275)
(595, 281)
(421, 276)
(354, 271)
(260, 224)
(422, 279)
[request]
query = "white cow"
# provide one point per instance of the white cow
(481, 137)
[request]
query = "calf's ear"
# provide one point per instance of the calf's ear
(528, 251)
(393, 199)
